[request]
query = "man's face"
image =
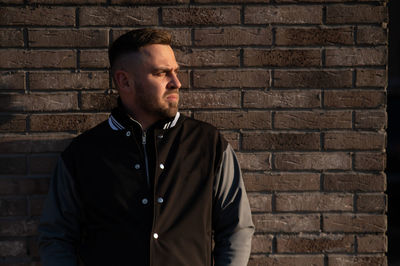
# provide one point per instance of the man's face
(155, 86)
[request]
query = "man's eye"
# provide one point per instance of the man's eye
(159, 74)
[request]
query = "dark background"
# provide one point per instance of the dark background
(393, 155)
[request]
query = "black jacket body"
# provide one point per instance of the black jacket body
(124, 196)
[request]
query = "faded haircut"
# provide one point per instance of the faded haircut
(133, 40)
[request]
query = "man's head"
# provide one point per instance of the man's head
(144, 70)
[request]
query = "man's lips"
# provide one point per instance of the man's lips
(172, 97)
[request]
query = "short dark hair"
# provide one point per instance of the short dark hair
(133, 40)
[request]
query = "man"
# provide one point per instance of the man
(149, 186)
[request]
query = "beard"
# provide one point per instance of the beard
(161, 108)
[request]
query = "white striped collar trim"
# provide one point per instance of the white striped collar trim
(115, 125)
(173, 123)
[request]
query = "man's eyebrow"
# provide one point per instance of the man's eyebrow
(166, 68)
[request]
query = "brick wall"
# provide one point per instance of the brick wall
(297, 87)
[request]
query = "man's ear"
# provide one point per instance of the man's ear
(121, 79)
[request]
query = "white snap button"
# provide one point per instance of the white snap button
(145, 201)
(161, 166)
(160, 200)
(155, 235)
(128, 133)
(137, 166)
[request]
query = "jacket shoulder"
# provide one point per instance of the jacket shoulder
(205, 131)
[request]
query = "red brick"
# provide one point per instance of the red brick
(210, 99)
(372, 243)
(184, 78)
(12, 207)
(282, 181)
(11, 38)
(68, 1)
(13, 165)
(261, 244)
(98, 101)
(232, 137)
(32, 143)
(315, 1)
(351, 140)
(12, 123)
(42, 164)
(282, 57)
(371, 78)
(280, 141)
(67, 80)
(354, 223)
(236, 120)
(12, 58)
(340, 14)
(372, 203)
(314, 36)
(313, 202)
(119, 2)
(23, 186)
(93, 59)
(313, 79)
(354, 182)
(118, 16)
(39, 102)
(313, 119)
(287, 223)
(354, 99)
(371, 119)
(376, 56)
(370, 161)
(315, 243)
(12, 248)
(372, 35)
(287, 260)
(66, 122)
(233, 36)
(18, 228)
(282, 99)
(68, 38)
(32, 263)
(312, 161)
(232, 1)
(208, 57)
(283, 14)
(12, 81)
(12, 1)
(231, 78)
(37, 16)
(36, 205)
(260, 202)
(359, 260)
(200, 15)
(254, 161)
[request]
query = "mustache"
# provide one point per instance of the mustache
(171, 92)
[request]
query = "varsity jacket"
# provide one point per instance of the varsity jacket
(170, 195)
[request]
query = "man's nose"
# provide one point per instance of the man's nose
(174, 82)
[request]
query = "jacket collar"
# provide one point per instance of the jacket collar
(120, 120)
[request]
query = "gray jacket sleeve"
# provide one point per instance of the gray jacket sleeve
(232, 223)
(59, 230)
